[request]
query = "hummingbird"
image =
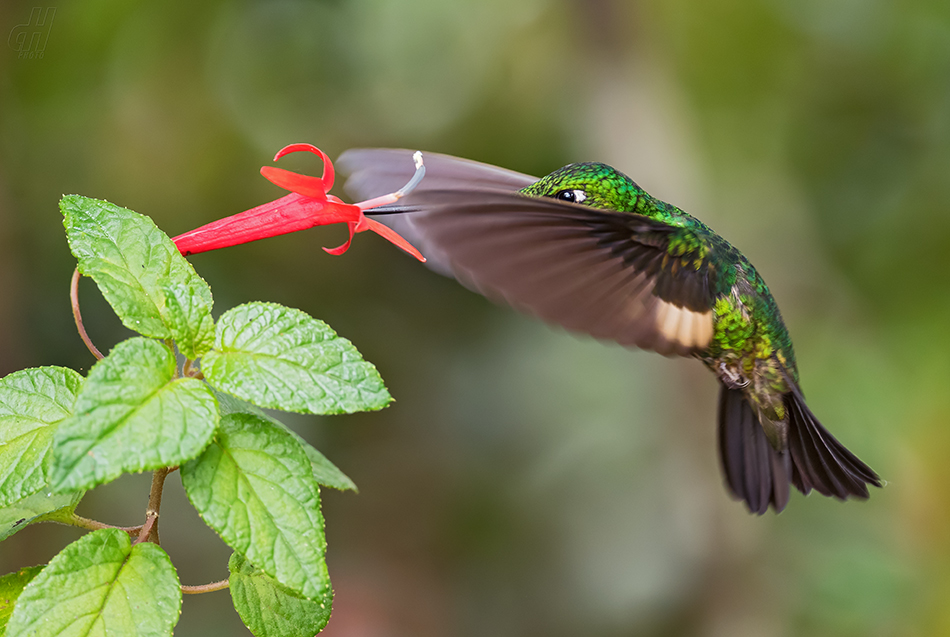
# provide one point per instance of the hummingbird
(588, 249)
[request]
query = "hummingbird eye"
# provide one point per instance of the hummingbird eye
(572, 196)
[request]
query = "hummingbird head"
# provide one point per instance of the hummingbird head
(590, 184)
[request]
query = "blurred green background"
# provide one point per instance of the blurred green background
(528, 482)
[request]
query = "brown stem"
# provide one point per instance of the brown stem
(95, 525)
(74, 297)
(189, 370)
(150, 521)
(149, 530)
(205, 588)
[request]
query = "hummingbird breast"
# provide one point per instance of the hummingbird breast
(750, 343)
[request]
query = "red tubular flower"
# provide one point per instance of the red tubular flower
(307, 206)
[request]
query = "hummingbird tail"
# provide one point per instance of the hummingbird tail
(760, 475)
(755, 471)
(819, 461)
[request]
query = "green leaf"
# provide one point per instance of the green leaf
(11, 585)
(101, 585)
(324, 471)
(38, 507)
(130, 260)
(254, 487)
(132, 415)
(271, 610)
(278, 357)
(189, 318)
(32, 401)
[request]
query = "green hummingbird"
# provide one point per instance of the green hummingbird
(588, 249)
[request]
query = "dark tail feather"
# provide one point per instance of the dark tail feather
(760, 475)
(755, 471)
(819, 461)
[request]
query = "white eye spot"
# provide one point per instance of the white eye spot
(573, 196)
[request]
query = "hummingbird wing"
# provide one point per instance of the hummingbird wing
(608, 274)
(377, 171)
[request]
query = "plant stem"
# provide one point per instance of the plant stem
(95, 525)
(74, 297)
(189, 370)
(205, 588)
(149, 530)
(151, 521)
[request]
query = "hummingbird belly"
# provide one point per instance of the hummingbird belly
(743, 356)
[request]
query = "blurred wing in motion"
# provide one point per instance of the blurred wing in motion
(597, 271)
(377, 171)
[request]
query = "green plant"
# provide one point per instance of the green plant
(142, 408)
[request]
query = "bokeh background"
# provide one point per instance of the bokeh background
(528, 482)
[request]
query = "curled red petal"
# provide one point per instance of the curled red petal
(390, 235)
(328, 172)
(301, 184)
(337, 251)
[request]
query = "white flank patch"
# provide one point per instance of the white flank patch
(685, 327)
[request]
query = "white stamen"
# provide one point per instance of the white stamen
(416, 178)
(402, 192)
